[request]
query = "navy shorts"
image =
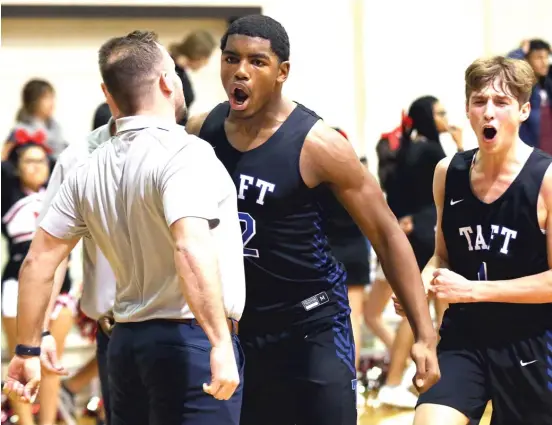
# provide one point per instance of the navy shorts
(303, 376)
(513, 372)
(157, 371)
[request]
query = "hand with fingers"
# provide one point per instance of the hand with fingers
(49, 357)
(224, 372)
(23, 380)
(427, 365)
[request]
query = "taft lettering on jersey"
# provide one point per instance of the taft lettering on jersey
(263, 187)
(501, 240)
(476, 241)
(287, 256)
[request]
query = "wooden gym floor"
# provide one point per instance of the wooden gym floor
(379, 416)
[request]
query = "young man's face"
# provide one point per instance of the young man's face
(539, 61)
(250, 72)
(495, 116)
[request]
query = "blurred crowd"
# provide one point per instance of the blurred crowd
(407, 157)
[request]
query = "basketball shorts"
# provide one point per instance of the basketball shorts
(514, 373)
(302, 376)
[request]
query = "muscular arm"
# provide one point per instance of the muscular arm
(35, 283)
(535, 289)
(328, 158)
(56, 179)
(196, 263)
(59, 277)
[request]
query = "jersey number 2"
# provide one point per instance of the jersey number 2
(249, 230)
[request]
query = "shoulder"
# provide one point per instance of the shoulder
(98, 136)
(328, 157)
(546, 187)
(324, 141)
(72, 155)
(442, 168)
(194, 124)
(191, 150)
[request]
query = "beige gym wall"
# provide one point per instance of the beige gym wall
(357, 63)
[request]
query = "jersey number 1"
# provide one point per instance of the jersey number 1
(249, 230)
(482, 273)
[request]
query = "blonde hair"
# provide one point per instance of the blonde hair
(516, 77)
(197, 45)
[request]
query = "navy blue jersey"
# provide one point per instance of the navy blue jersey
(501, 240)
(291, 275)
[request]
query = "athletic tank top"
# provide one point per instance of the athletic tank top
(497, 241)
(292, 277)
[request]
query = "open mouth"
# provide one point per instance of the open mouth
(489, 133)
(238, 99)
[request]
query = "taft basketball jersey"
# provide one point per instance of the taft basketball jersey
(501, 240)
(291, 275)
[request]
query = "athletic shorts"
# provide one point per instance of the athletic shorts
(302, 376)
(514, 373)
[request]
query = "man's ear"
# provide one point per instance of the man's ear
(166, 84)
(525, 111)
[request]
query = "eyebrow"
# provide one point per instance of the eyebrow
(251, 56)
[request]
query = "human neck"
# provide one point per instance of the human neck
(496, 163)
(162, 113)
(275, 111)
(28, 189)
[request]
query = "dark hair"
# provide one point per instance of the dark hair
(128, 65)
(32, 92)
(197, 45)
(17, 152)
(423, 121)
(538, 44)
(101, 116)
(516, 76)
(263, 27)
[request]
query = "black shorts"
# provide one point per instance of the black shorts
(514, 373)
(304, 376)
(354, 254)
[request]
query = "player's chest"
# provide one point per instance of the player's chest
(265, 184)
(498, 231)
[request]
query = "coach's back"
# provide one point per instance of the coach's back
(151, 174)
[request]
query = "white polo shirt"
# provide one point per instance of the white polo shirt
(98, 293)
(151, 174)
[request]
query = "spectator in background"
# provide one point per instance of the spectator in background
(24, 176)
(410, 196)
(537, 129)
(36, 116)
(192, 54)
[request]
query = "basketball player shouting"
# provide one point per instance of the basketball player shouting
(295, 329)
(492, 262)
